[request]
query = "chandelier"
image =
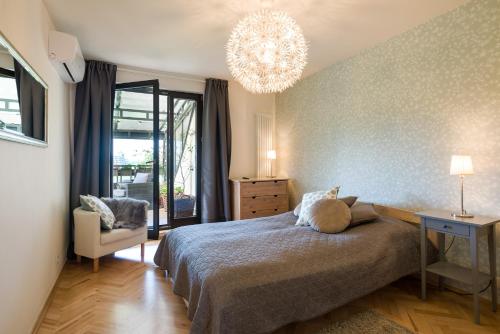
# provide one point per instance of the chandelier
(266, 52)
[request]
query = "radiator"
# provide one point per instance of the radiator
(264, 143)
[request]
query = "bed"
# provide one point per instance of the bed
(257, 275)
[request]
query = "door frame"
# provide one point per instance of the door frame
(153, 232)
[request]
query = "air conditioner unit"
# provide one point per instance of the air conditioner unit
(66, 56)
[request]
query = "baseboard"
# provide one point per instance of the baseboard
(47, 303)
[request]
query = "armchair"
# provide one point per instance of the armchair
(93, 243)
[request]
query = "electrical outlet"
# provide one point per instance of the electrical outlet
(60, 259)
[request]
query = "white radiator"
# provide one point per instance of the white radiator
(264, 143)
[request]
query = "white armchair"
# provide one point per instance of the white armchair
(93, 243)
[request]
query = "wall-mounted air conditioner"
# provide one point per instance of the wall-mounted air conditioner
(66, 56)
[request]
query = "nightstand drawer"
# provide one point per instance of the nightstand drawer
(447, 227)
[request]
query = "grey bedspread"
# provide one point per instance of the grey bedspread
(254, 276)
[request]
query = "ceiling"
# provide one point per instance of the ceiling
(188, 36)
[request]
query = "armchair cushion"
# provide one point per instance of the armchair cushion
(121, 234)
(92, 203)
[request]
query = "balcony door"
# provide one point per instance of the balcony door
(156, 151)
(184, 173)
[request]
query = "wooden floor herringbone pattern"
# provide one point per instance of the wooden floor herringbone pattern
(123, 297)
(127, 296)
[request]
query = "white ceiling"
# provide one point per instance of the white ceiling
(188, 36)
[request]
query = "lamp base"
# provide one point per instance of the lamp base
(462, 215)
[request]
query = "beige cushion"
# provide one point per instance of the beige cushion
(363, 213)
(309, 198)
(329, 216)
(349, 200)
(120, 234)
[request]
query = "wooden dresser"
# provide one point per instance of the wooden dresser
(259, 197)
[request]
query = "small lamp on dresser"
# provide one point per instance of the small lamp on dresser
(271, 156)
(461, 165)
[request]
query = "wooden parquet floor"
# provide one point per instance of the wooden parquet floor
(127, 296)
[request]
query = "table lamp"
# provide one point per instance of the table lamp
(271, 155)
(461, 165)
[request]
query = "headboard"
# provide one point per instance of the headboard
(405, 215)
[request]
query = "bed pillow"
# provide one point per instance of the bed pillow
(363, 213)
(329, 215)
(92, 203)
(296, 211)
(349, 200)
(308, 199)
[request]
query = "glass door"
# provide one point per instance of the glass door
(180, 159)
(185, 111)
(156, 152)
(136, 135)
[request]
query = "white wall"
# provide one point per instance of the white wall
(169, 81)
(34, 184)
(242, 104)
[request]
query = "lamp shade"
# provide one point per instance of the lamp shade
(461, 165)
(271, 155)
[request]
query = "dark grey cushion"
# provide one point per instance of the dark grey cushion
(349, 200)
(362, 213)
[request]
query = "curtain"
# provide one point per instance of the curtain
(31, 97)
(92, 135)
(216, 153)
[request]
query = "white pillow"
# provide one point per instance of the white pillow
(141, 178)
(308, 199)
(92, 203)
(296, 211)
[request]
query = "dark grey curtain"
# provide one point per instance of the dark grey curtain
(91, 167)
(216, 153)
(31, 96)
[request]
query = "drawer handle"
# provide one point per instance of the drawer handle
(254, 211)
(275, 195)
(275, 181)
(254, 197)
(254, 182)
(448, 227)
(275, 209)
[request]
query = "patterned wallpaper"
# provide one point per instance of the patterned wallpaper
(384, 124)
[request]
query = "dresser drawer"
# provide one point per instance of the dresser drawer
(264, 202)
(263, 188)
(447, 227)
(261, 213)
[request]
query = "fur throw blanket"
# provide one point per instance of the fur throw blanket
(129, 213)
